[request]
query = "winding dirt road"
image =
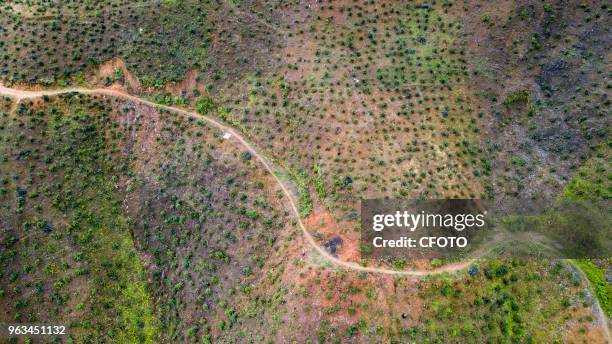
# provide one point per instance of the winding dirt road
(19, 95)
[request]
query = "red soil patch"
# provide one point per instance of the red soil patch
(107, 70)
(323, 226)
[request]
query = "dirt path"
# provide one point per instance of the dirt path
(19, 95)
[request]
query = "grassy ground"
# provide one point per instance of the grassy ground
(520, 301)
(597, 277)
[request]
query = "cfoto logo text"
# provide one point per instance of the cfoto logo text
(424, 242)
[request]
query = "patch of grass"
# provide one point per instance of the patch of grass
(599, 283)
(204, 105)
(305, 200)
(500, 300)
(593, 180)
(516, 97)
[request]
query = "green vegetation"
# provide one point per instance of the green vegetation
(520, 301)
(593, 180)
(516, 97)
(204, 105)
(599, 283)
(169, 100)
(305, 200)
(69, 253)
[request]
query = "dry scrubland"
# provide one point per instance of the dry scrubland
(132, 223)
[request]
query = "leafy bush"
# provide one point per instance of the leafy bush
(204, 105)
